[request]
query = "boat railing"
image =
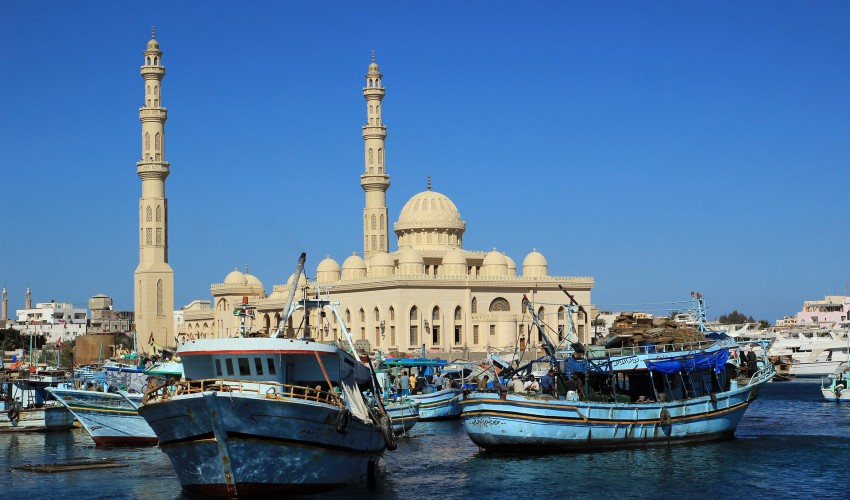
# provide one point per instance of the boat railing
(270, 390)
(651, 349)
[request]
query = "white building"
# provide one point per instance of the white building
(55, 320)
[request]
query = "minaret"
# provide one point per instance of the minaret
(4, 314)
(374, 179)
(28, 302)
(154, 279)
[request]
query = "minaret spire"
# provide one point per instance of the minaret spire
(4, 314)
(374, 179)
(154, 279)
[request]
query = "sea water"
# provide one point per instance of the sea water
(790, 443)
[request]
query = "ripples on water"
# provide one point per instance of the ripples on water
(790, 443)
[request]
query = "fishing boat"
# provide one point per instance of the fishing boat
(269, 415)
(835, 387)
(650, 394)
(25, 404)
(112, 418)
(404, 413)
(434, 403)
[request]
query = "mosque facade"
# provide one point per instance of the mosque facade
(430, 292)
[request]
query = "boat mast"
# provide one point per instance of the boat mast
(287, 306)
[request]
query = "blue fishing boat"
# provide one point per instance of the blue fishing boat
(650, 394)
(270, 415)
(404, 413)
(25, 404)
(435, 403)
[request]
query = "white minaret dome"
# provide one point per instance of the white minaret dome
(327, 271)
(381, 265)
(353, 268)
(535, 264)
(235, 277)
(494, 264)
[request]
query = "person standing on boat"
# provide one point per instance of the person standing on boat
(404, 384)
(547, 383)
(412, 382)
(437, 381)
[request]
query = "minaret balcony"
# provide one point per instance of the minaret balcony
(153, 72)
(374, 132)
(151, 170)
(374, 92)
(153, 114)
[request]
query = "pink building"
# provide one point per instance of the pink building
(831, 312)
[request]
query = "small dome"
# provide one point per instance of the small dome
(153, 44)
(328, 271)
(327, 265)
(381, 265)
(354, 262)
(535, 264)
(454, 257)
(381, 259)
(410, 255)
(253, 280)
(511, 265)
(535, 258)
(277, 294)
(302, 280)
(373, 68)
(495, 258)
(235, 278)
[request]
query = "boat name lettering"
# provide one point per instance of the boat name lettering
(617, 362)
(485, 422)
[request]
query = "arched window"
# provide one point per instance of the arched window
(147, 141)
(159, 298)
(382, 221)
(159, 213)
(541, 313)
(348, 316)
(474, 305)
(457, 313)
(148, 236)
(374, 222)
(362, 315)
(392, 314)
(414, 314)
(561, 311)
(374, 242)
(157, 141)
(500, 304)
(371, 109)
(435, 314)
(148, 214)
(371, 156)
(377, 314)
(380, 156)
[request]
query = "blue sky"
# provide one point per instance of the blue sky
(660, 147)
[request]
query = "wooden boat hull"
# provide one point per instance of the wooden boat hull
(235, 444)
(109, 419)
(440, 405)
(538, 425)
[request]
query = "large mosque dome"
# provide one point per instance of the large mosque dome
(535, 265)
(430, 220)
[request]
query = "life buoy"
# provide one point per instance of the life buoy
(14, 415)
(387, 431)
(664, 418)
(343, 420)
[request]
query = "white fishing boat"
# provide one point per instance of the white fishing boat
(404, 413)
(835, 387)
(274, 415)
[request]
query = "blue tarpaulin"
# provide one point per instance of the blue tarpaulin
(715, 360)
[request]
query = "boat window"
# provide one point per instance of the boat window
(218, 367)
(258, 365)
(244, 366)
(272, 369)
(229, 366)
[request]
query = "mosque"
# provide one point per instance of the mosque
(429, 292)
